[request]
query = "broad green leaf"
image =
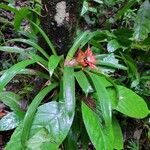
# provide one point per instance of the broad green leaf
(94, 128)
(53, 63)
(12, 100)
(39, 140)
(118, 136)
(113, 96)
(11, 72)
(142, 24)
(50, 127)
(12, 49)
(27, 123)
(69, 90)
(45, 37)
(113, 45)
(33, 44)
(107, 82)
(83, 82)
(55, 119)
(8, 122)
(131, 104)
(104, 102)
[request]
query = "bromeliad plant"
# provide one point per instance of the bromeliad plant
(81, 87)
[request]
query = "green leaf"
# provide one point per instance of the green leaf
(105, 80)
(12, 49)
(113, 45)
(53, 63)
(69, 90)
(15, 140)
(11, 72)
(131, 104)
(103, 98)
(85, 8)
(34, 73)
(83, 82)
(111, 62)
(132, 68)
(123, 37)
(9, 8)
(45, 37)
(142, 24)
(55, 119)
(27, 52)
(27, 123)
(124, 9)
(98, 1)
(12, 100)
(30, 72)
(104, 102)
(33, 44)
(71, 141)
(19, 16)
(82, 37)
(94, 128)
(118, 136)
(38, 59)
(9, 122)
(39, 140)
(113, 96)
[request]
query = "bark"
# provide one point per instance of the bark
(59, 21)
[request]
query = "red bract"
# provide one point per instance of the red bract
(86, 59)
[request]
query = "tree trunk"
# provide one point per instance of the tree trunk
(59, 21)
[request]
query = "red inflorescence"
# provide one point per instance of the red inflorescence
(86, 59)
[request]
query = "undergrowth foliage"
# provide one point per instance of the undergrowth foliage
(84, 93)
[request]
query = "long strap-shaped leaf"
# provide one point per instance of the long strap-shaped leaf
(76, 45)
(33, 44)
(30, 72)
(105, 104)
(12, 49)
(27, 123)
(83, 82)
(11, 72)
(45, 37)
(69, 89)
(28, 52)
